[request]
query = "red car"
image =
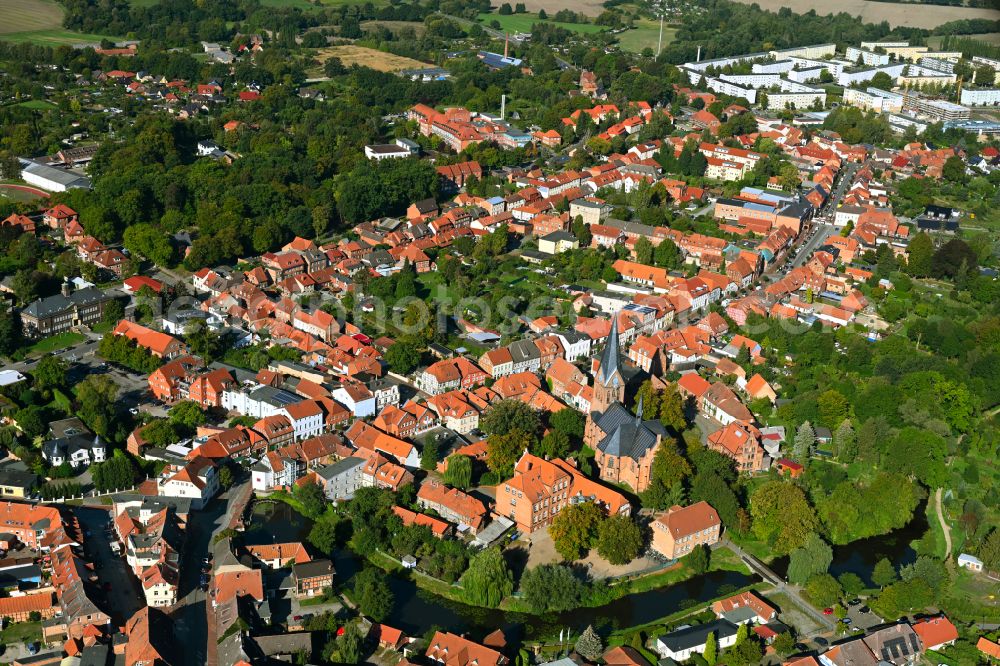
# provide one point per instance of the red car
(827, 611)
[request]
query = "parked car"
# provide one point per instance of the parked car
(827, 611)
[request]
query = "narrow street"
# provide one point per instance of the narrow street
(191, 626)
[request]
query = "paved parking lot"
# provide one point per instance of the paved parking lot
(124, 597)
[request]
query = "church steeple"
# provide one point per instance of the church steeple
(609, 369)
(609, 384)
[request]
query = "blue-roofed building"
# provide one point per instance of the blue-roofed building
(498, 61)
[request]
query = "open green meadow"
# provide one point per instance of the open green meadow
(646, 34)
(523, 23)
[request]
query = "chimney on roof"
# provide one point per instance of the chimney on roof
(506, 44)
(67, 288)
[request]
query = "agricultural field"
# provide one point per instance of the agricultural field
(366, 57)
(988, 37)
(395, 26)
(38, 21)
(646, 34)
(897, 14)
(588, 7)
(523, 22)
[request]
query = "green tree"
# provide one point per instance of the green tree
(784, 644)
(989, 550)
(845, 443)
(672, 409)
(667, 255)
(813, 557)
(711, 653)
(11, 333)
(509, 415)
(116, 473)
(851, 583)
(226, 477)
(920, 255)
(782, 516)
(574, 530)
(349, 644)
(589, 644)
(699, 559)
(311, 498)
(372, 594)
(188, 414)
(551, 588)
(555, 444)
(459, 472)
(823, 590)
(50, 373)
(954, 170)
(323, 534)
(429, 454)
(884, 573)
(488, 580)
(503, 451)
(644, 251)
(666, 477)
(619, 539)
(96, 398)
(805, 439)
(568, 421)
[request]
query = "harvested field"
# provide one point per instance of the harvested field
(910, 15)
(38, 22)
(588, 7)
(28, 15)
(360, 55)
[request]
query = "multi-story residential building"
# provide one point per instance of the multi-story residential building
(454, 505)
(451, 373)
(456, 411)
(741, 442)
(153, 543)
(678, 530)
(541, 488)
(379, 472)
(497, 362)
(525, 356)
(341, 479)
(312, 578)
(156, 343)
(306, 417)
(196, 480)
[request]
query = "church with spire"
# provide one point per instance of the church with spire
(624, 444)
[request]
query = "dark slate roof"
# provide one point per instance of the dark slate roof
(609, 370)
(53, 305)
(684, 639)
(627, 435)
(340, 467)
(523, 350)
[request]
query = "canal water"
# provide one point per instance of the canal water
(416, 611)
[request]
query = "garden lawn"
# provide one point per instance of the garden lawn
(56, 342)
(21, 632)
